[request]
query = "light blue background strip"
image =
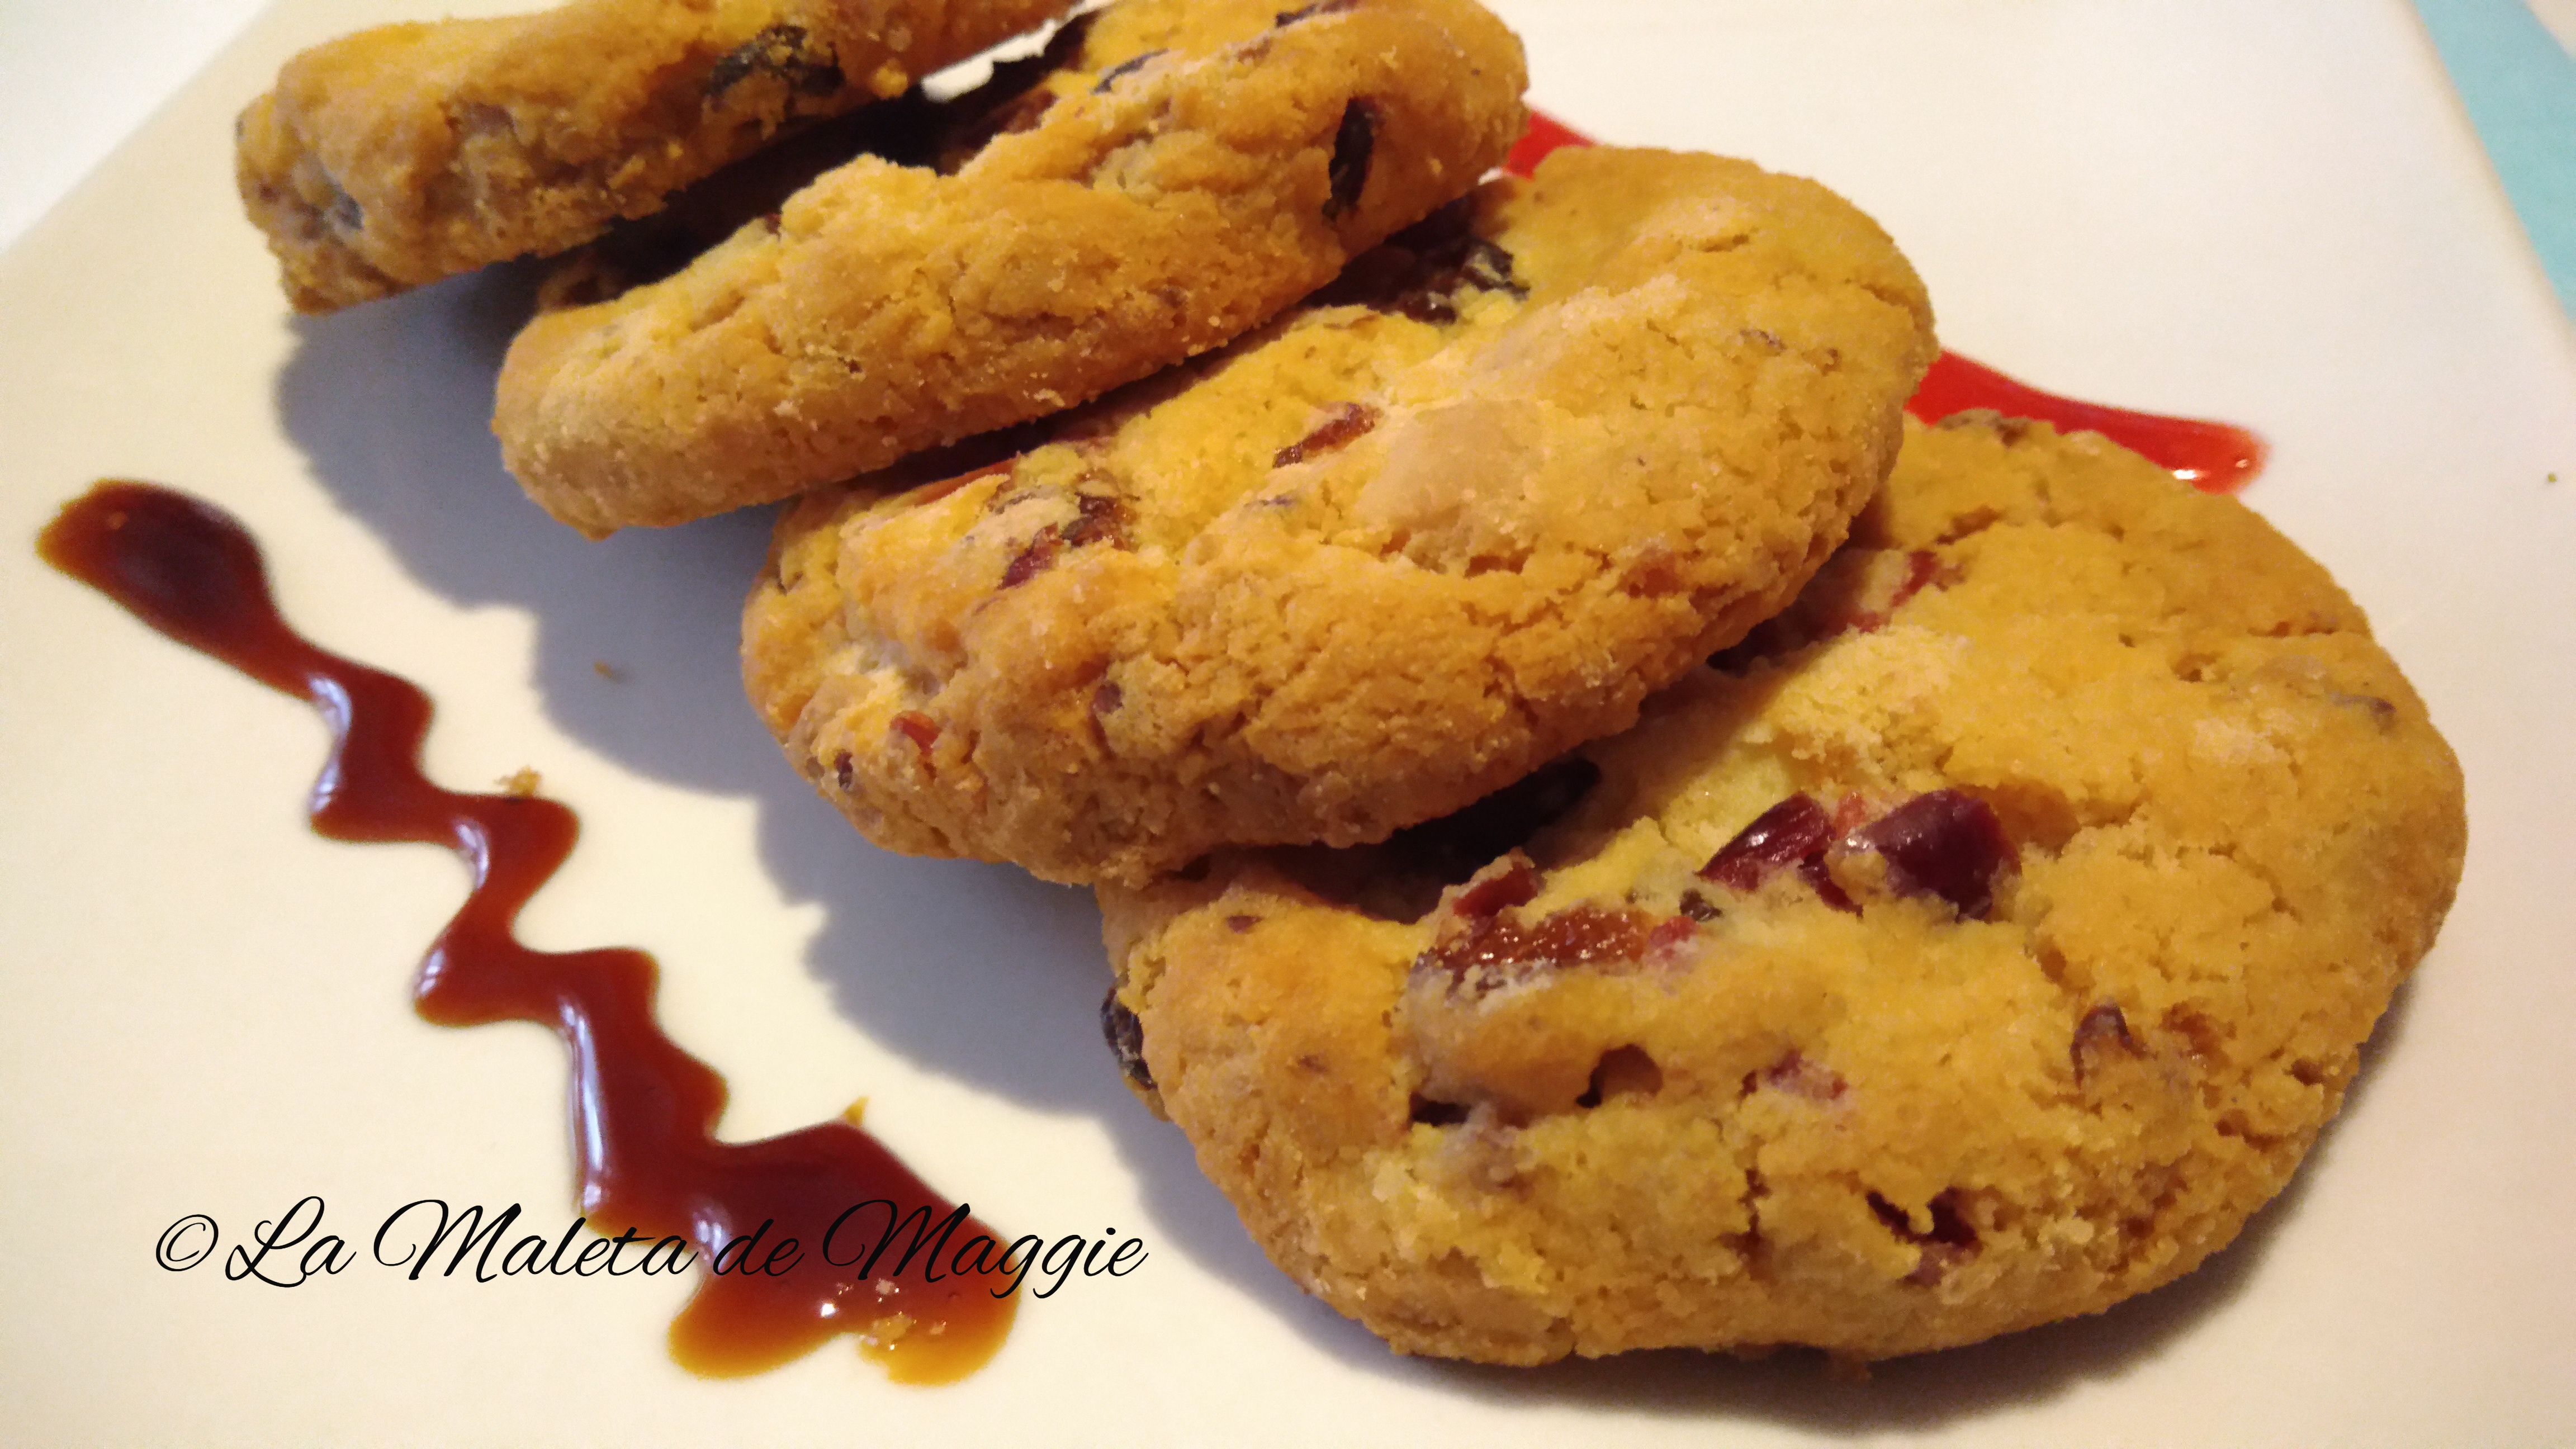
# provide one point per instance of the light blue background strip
(2519, 87)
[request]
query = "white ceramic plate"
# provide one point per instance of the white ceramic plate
(2269, 214)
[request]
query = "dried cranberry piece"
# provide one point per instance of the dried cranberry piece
(1947, 843)
(1348, 170)
(1799, 1077)
(1126, 1037)
(1582, 934)
(1792, 835)
(919, 728)
(1949, 1242)
(1821, 880)
(1921, 568)
(1788, 834)
(1034, 558)
(1669, 934)
(1347, 421)
(1494, 949)
(1099, 518)
(2381, 712)
(1517, 886)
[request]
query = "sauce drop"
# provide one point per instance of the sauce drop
(643, 1111)
(2212, 457)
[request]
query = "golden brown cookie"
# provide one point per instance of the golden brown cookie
(1978, 946)
(399, 155)
(1464, 510)
(1203, 164)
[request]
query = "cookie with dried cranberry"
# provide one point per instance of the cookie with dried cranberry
(1460, 512)
(1197, 166)
(1978, 946)
(399, 155)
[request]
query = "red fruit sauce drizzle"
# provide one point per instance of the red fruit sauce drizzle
(643, 1111)
(2212, 457)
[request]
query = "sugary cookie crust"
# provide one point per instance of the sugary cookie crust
(403, 154)
(1205, 163)
(1379, 559)
(2123, 834)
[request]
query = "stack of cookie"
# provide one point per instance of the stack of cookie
(1609, 837)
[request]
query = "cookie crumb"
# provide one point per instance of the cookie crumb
(521, 784)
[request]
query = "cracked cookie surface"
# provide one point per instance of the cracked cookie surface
(1977, 945)
(399, 155)
(1196, 167)
(1462, 511)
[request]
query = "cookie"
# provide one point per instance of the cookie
(1461, 511)
(1978, 946)
(403, 154)
(1203, 164)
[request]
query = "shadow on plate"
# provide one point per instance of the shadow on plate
(636, 635)
(636, 656)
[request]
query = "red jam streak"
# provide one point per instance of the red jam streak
(643, 1111)
(1546, 133)
(2212, 457)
